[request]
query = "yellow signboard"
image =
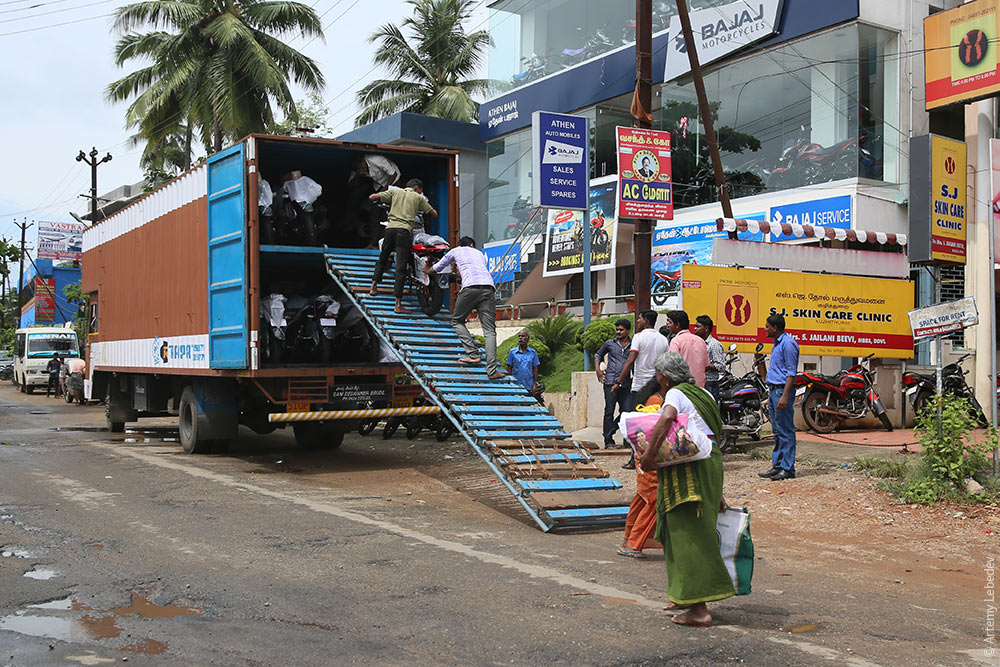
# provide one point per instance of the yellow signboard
(961, 54)
(838, 316)
(947, 199)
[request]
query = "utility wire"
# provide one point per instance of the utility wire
(56, 11)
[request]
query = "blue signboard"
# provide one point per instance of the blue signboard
(832, 212)
(503, 260)
(691, 243)
(559, 160)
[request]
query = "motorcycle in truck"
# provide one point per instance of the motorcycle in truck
(827, 400)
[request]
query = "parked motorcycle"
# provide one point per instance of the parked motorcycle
(272, 328)
(828, 400)
(743, 400)
(535, 67)
(7, 372)
(921, 387)
(520, 215)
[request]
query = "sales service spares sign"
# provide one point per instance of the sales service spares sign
(845, 317)
(645, 189)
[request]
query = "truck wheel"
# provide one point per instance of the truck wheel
(113, 426)
(318, 435)
(188, 425)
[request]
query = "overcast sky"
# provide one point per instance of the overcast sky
(53, 82)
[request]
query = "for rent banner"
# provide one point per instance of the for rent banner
(837, 316)
(645, 189)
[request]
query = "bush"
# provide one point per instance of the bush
(554, 332)
(596, 333)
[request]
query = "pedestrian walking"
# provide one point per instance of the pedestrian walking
(689, 498)
(781, 402)
(63, 374)
(703, 326)
(689, 346)
(523, 363)
(640, 522)
(647, 345)
(404, 205)
(616, 351)
(479, 294)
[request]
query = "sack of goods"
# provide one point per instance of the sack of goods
(684, 442)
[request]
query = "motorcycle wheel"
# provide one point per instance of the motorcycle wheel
(659, 299)
(325, 349)
(367, 426)
(818, 421)
(728, 444)
(976, 412)
(430, 297)
(390, 428)
(413, 429)
(68, 395)
(921, 402)
(444, 432)
(275, 350)
(309, 228)
(267, 230)
(884, 418)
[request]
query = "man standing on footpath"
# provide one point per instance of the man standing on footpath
(616, 350)
(689, 346)
(55, 363)
(647, 345)
(478, 293)
(403, 208)
(780, 380)
(523, 363)
(716, 355)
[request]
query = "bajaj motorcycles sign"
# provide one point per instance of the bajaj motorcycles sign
(720, 31)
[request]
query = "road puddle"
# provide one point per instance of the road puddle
(84, 429)
(66, 604)
(52, 627)
(41, 574)
(142, 606)
(147, 646)
(809, 627)
(146, 440)
(16, 552)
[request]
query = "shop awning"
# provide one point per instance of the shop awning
(808, 231)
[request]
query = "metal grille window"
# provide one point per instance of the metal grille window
(574, 288)
(953, 289)
(625, 280)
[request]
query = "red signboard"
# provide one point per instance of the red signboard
(45, 299)
(645, 189)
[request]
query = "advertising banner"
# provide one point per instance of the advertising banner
(559, 160)
(943, 318)
(45, 299)
(834, 212)
(839, 316)
(645, 189)
(961, 58)
(564, 233)
(61, 241)
(503, 258)
(937, 200)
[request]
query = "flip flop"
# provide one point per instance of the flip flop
(680, 620)
(630, 553)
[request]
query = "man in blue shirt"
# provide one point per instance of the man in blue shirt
(781, 381)
(523, 363)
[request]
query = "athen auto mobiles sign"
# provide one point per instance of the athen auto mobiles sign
(719, 31)
(559, 163)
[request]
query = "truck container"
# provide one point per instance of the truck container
(175, 283)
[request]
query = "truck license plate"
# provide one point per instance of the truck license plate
(298, 407)
(402, 402)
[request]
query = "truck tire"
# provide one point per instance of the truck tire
(318, 435)
(188, 425)
(27, 387)
(22, 387)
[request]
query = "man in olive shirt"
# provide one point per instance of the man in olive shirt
(403, 208)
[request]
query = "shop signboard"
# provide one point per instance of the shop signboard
(645, 189)
(565, 228)
(45, 299)
(835, 212)
(943, 318)
(560, 157)
(61, 241)
(503, 258)
(838, 316)
(961, 58)
(937, 200)
(719, 31)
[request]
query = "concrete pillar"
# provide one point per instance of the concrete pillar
(979, 124)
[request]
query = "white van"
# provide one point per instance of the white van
(33, 348)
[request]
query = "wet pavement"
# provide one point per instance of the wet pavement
(390, 552)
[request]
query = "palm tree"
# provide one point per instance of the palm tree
(430, 68)
(215, 67)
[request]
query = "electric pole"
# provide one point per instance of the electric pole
(643, 236)
(94, 163)
(20, 269)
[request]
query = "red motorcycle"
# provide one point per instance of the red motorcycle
(428, 248)
(830, 399)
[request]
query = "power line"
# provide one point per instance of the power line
(54, 11)
(53, 25)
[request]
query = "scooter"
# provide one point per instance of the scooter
(742, 400)
(920, 389)
(828, 400)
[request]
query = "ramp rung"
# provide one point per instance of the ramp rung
(585, 516)
(546, 485)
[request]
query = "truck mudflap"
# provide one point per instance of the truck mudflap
(330, 415)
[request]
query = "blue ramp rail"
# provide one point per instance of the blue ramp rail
(555, 479)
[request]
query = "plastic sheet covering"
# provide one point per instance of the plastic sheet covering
(272, 308)
(303, 190)
(386, 355)
(265, 196)
(428, 239)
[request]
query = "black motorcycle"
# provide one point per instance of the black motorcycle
(742, 400)
(921, 387)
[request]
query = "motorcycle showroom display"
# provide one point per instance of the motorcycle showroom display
(830, 399)
(920, 389)
(743, 400)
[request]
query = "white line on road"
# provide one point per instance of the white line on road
(534, 571)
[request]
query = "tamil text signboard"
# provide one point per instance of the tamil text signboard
(45, 299)
(62, 241)
(943, 318)
(937, 200)
(645, 189)
(840, 316)
(566, 227)
(961, 54)
(559, 160)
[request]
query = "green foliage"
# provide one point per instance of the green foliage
(7, 340)
(760, 454)
(429, 66)
(558, 375)
(554, 332)
(310, 120)
(880, 468)
(598, 331)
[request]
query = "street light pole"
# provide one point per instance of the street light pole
(94, 163)
(20, 270)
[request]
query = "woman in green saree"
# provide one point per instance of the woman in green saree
(689, 496)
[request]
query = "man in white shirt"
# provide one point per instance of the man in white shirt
(647, 345)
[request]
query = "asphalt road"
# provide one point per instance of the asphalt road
(390, 552)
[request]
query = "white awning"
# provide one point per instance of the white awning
(808, 231)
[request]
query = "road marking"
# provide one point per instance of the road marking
(533, 571)
(87, 497)
(980, 655)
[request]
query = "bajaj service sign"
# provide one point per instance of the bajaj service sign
(962, 54)
(719, 31)
(559, 160)
(61, 241)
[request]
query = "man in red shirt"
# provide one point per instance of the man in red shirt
(688, 345)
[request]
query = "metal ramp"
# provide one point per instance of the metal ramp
(555, 479)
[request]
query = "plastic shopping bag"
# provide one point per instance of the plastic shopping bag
(682, 444)
(733, 530)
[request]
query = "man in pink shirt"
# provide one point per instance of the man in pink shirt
(685, 343)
